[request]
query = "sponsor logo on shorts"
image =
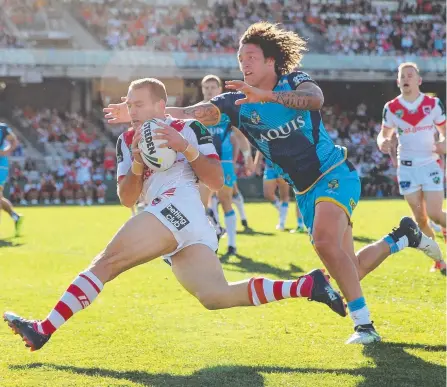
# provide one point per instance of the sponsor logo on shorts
(436, 180)
(352, 204)
(167, 194)
(175, 217)
(434, 173)
(405, 184)
(333, 184)
(156, 201)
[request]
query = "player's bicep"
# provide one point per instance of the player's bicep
(205, 112)
(311, 88)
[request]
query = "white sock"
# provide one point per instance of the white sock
(276, 203)
(214, 208)
(238, 201)
(283, 213)
(230, 224)
(361, 316)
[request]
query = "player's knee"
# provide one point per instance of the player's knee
(324, 241)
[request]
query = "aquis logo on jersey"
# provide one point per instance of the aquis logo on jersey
(283, 131)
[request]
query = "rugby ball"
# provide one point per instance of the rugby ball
(156, 158)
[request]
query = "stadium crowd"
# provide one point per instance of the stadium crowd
(79, 163)
(347, 27)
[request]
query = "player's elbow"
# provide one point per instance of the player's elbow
(125, 200)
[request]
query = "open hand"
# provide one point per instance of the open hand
(173, 138)
(117, 113)
(252, 94)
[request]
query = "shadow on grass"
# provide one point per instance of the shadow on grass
(10, 242)
(250, 231)
(393, 367)
(363, 239)
(245, 264)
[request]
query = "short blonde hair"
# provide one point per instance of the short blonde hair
(157, 89)
(212, 77)
(408, 64)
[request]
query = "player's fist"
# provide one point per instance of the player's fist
(249, 166)
(117, 113)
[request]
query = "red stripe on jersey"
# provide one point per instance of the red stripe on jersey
(277, 290)
(213, 156)
(64, 310)
(121, 178)
(128, 137)
(178, 125)
(259, 288)
(293, 289)
(78, 293)
(91, 282)
(442, 123)
(412, 118)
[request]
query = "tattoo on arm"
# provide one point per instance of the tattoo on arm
(206, 113)
(299, 99)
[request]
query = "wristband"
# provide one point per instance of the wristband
(191, 153)
(137, 168)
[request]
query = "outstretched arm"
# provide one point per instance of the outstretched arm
(205, 112)
(307, 96)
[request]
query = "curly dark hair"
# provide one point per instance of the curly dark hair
(285, 47)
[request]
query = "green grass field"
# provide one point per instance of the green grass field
(145, 330)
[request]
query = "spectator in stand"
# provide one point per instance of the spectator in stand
(48, 190)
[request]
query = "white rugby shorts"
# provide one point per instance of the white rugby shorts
(428, 177)
(182, 212)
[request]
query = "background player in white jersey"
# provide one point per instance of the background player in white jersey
(173, 225)
(223, 138)
(416, 117)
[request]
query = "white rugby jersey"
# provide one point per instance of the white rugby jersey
(415, 125)
(180, 174)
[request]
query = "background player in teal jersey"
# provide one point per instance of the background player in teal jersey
(272, 181)
(223, 137)
(278, 111)
(8, 142)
